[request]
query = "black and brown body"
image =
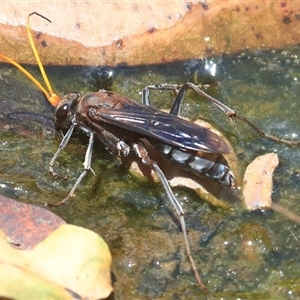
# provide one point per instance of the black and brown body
(118, 122)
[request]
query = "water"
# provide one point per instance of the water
(239, 254)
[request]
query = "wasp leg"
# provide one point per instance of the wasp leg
(162, 86)
(233, 114)
(176, 107)
(180, 90)
(62, 145)
(111, 142)
(86, 168)
(227, 110)
(142, 153)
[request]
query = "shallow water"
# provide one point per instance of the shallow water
(239, 254)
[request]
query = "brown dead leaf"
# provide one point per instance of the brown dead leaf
(25, 224)
(258, 183)
(145, 32)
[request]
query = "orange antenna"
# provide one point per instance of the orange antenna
(50, 95)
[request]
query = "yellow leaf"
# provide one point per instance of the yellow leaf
(71, 257)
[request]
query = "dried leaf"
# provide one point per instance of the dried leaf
(146, 32)
(71, 257)
(26, 224)
(258, 183)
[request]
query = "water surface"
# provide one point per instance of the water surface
(239, 254)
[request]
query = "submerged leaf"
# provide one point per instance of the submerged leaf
(258, 183)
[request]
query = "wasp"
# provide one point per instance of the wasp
(121, 124)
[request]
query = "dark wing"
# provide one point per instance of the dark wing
(162, 126)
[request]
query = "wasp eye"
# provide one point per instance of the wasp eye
(62, 111)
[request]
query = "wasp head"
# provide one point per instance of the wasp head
(65, 111)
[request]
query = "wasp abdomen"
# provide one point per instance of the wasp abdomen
(209, 164)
